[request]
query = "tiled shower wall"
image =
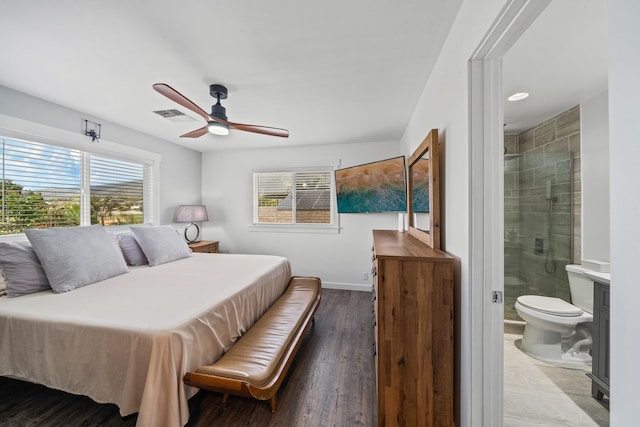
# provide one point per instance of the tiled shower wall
(548, 152)
(511, 208)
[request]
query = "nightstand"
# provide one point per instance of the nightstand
(205, 246)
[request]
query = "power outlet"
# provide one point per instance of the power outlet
(539, 246)
(365, 276)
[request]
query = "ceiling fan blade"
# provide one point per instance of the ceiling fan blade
(179, 98)
(265, 130)
(196, 133)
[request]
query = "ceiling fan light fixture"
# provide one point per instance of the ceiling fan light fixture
(218, 128)
(217, 122)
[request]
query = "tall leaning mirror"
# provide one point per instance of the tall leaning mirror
(424, 192)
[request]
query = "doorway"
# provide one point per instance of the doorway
(487, 196)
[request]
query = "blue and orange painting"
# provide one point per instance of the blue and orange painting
(372, 187)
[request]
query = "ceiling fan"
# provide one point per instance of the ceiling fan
(217, 122)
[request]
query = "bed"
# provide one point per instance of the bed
(129, 339)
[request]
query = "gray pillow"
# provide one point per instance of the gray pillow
(131, 250)
(21, 269)
(73, 257)
(161, 244)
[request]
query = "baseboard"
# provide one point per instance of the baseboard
(514, 326)
(347, 286)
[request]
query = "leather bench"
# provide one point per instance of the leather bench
(257, 363)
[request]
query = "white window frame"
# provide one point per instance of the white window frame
(13, 127)
(331, 228)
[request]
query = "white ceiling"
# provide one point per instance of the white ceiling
(560, 60)
(330, 71)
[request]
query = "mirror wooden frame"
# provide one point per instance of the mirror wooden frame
(428, 145)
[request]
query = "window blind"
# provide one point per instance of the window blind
(276, 202)
(40, 186)
(51, 186)
(116, 191)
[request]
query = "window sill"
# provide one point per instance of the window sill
(291, 228)
(113, 229)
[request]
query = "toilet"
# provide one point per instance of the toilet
(556, 331)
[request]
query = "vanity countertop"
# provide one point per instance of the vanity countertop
(599, 277)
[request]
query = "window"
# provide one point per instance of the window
(44, 185)
(116, 189)
(303, 198)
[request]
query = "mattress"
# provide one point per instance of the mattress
(130, 339)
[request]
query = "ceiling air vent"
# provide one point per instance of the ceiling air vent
(174, 115)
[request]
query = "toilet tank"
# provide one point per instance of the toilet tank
(581, 288)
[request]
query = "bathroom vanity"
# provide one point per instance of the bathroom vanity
(600, 348)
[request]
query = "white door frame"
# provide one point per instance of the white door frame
(486, 201)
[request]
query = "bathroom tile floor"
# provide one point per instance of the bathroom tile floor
(539, 394)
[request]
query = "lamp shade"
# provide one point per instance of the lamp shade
(191, 213)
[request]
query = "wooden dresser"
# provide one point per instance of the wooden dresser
(413, 330)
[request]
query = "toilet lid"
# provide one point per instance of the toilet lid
(550, 305)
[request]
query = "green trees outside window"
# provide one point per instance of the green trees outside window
(42, 186)
(22, 209)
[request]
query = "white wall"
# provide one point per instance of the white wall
(179, 167)
(444, 104)
(594, 158)
(338, 259)
(624, 152)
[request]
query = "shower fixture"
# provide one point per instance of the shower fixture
(549, 262)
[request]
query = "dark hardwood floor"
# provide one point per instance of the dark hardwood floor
(331, 383)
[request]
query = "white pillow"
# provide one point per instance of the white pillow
(161, 244)
(131, 250)
(72, 257)
(21, 271)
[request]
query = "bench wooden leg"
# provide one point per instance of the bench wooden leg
(225, 397)
(272, 402)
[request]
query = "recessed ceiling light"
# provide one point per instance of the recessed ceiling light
(518, 96)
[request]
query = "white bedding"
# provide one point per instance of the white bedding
(130, 339)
